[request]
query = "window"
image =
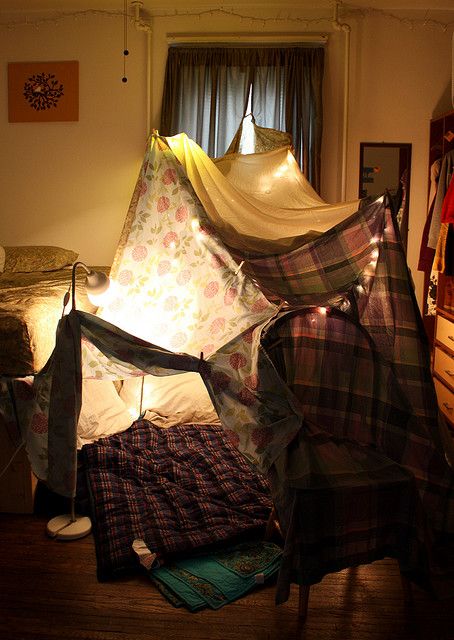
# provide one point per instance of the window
(208, 90)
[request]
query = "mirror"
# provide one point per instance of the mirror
(386, 166)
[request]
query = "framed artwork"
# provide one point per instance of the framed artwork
(43, 91)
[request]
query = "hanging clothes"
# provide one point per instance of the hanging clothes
(446, 171)
(426, 254)
(443, 260)
(447, 209)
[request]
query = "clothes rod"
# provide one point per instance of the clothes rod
(256, 38)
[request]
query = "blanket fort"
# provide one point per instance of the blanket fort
(321, 335)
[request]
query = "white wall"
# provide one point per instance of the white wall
(70, 183)
(400, 79)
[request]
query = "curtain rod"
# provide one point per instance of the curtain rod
(256, 38)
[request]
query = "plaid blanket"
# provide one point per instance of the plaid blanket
(354, 353)
(178, 489)
(365, 477)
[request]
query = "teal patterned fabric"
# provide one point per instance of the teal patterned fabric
(213, 580)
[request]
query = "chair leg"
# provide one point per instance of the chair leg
(304, 591)
(406, 588)
(270, 526)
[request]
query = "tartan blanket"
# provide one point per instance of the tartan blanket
(178, 489)
(366, 476)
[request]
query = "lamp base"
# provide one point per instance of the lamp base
(66, 527)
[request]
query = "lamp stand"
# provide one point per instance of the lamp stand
(69, 526)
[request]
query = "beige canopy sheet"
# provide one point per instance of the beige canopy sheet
(260, 203)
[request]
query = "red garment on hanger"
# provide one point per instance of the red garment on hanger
(447, 209)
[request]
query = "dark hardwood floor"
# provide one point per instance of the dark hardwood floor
(49, 591)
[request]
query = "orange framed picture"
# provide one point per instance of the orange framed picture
(43, 91)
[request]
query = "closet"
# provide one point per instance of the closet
(440, 325)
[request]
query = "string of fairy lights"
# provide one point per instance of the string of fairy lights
(280, 17)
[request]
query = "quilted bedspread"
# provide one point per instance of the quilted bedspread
(178, 489)
(31, 305)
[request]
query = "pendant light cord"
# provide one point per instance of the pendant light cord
(125, 39)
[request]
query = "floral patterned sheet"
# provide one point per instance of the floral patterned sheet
(31, 305)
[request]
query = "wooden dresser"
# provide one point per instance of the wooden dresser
(443, 352)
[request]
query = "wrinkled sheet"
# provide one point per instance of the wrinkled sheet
(260, 203)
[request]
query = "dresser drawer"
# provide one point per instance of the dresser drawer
(444, 366)
(445, 399)
(445, 332)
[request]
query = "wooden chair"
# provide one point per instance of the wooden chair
(401, 485)
(304, 592)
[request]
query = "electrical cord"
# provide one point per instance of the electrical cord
(8, 464)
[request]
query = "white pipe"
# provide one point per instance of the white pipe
(148, 93)
(346, 29)
(346, 112)
(140, 25)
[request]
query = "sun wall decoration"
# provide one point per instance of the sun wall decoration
(43, 91)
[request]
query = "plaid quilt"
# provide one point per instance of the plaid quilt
(366, 476)
(178, 489)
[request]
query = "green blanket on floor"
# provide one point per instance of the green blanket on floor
(215, 579)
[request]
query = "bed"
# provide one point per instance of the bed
(33, 282)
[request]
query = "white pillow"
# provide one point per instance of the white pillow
(2, 259)
(103, 412)
(169, 400)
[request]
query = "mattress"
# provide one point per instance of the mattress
(31, 305)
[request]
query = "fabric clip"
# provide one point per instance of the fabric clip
(239, 267)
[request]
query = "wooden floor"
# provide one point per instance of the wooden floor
(49, 590)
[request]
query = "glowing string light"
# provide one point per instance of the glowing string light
(346, 10)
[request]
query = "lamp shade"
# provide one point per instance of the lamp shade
(97, 282)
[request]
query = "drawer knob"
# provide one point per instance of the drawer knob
(448, 407)
(450, 373)
(451, 338)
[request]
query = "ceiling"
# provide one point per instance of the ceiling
(170, 5)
